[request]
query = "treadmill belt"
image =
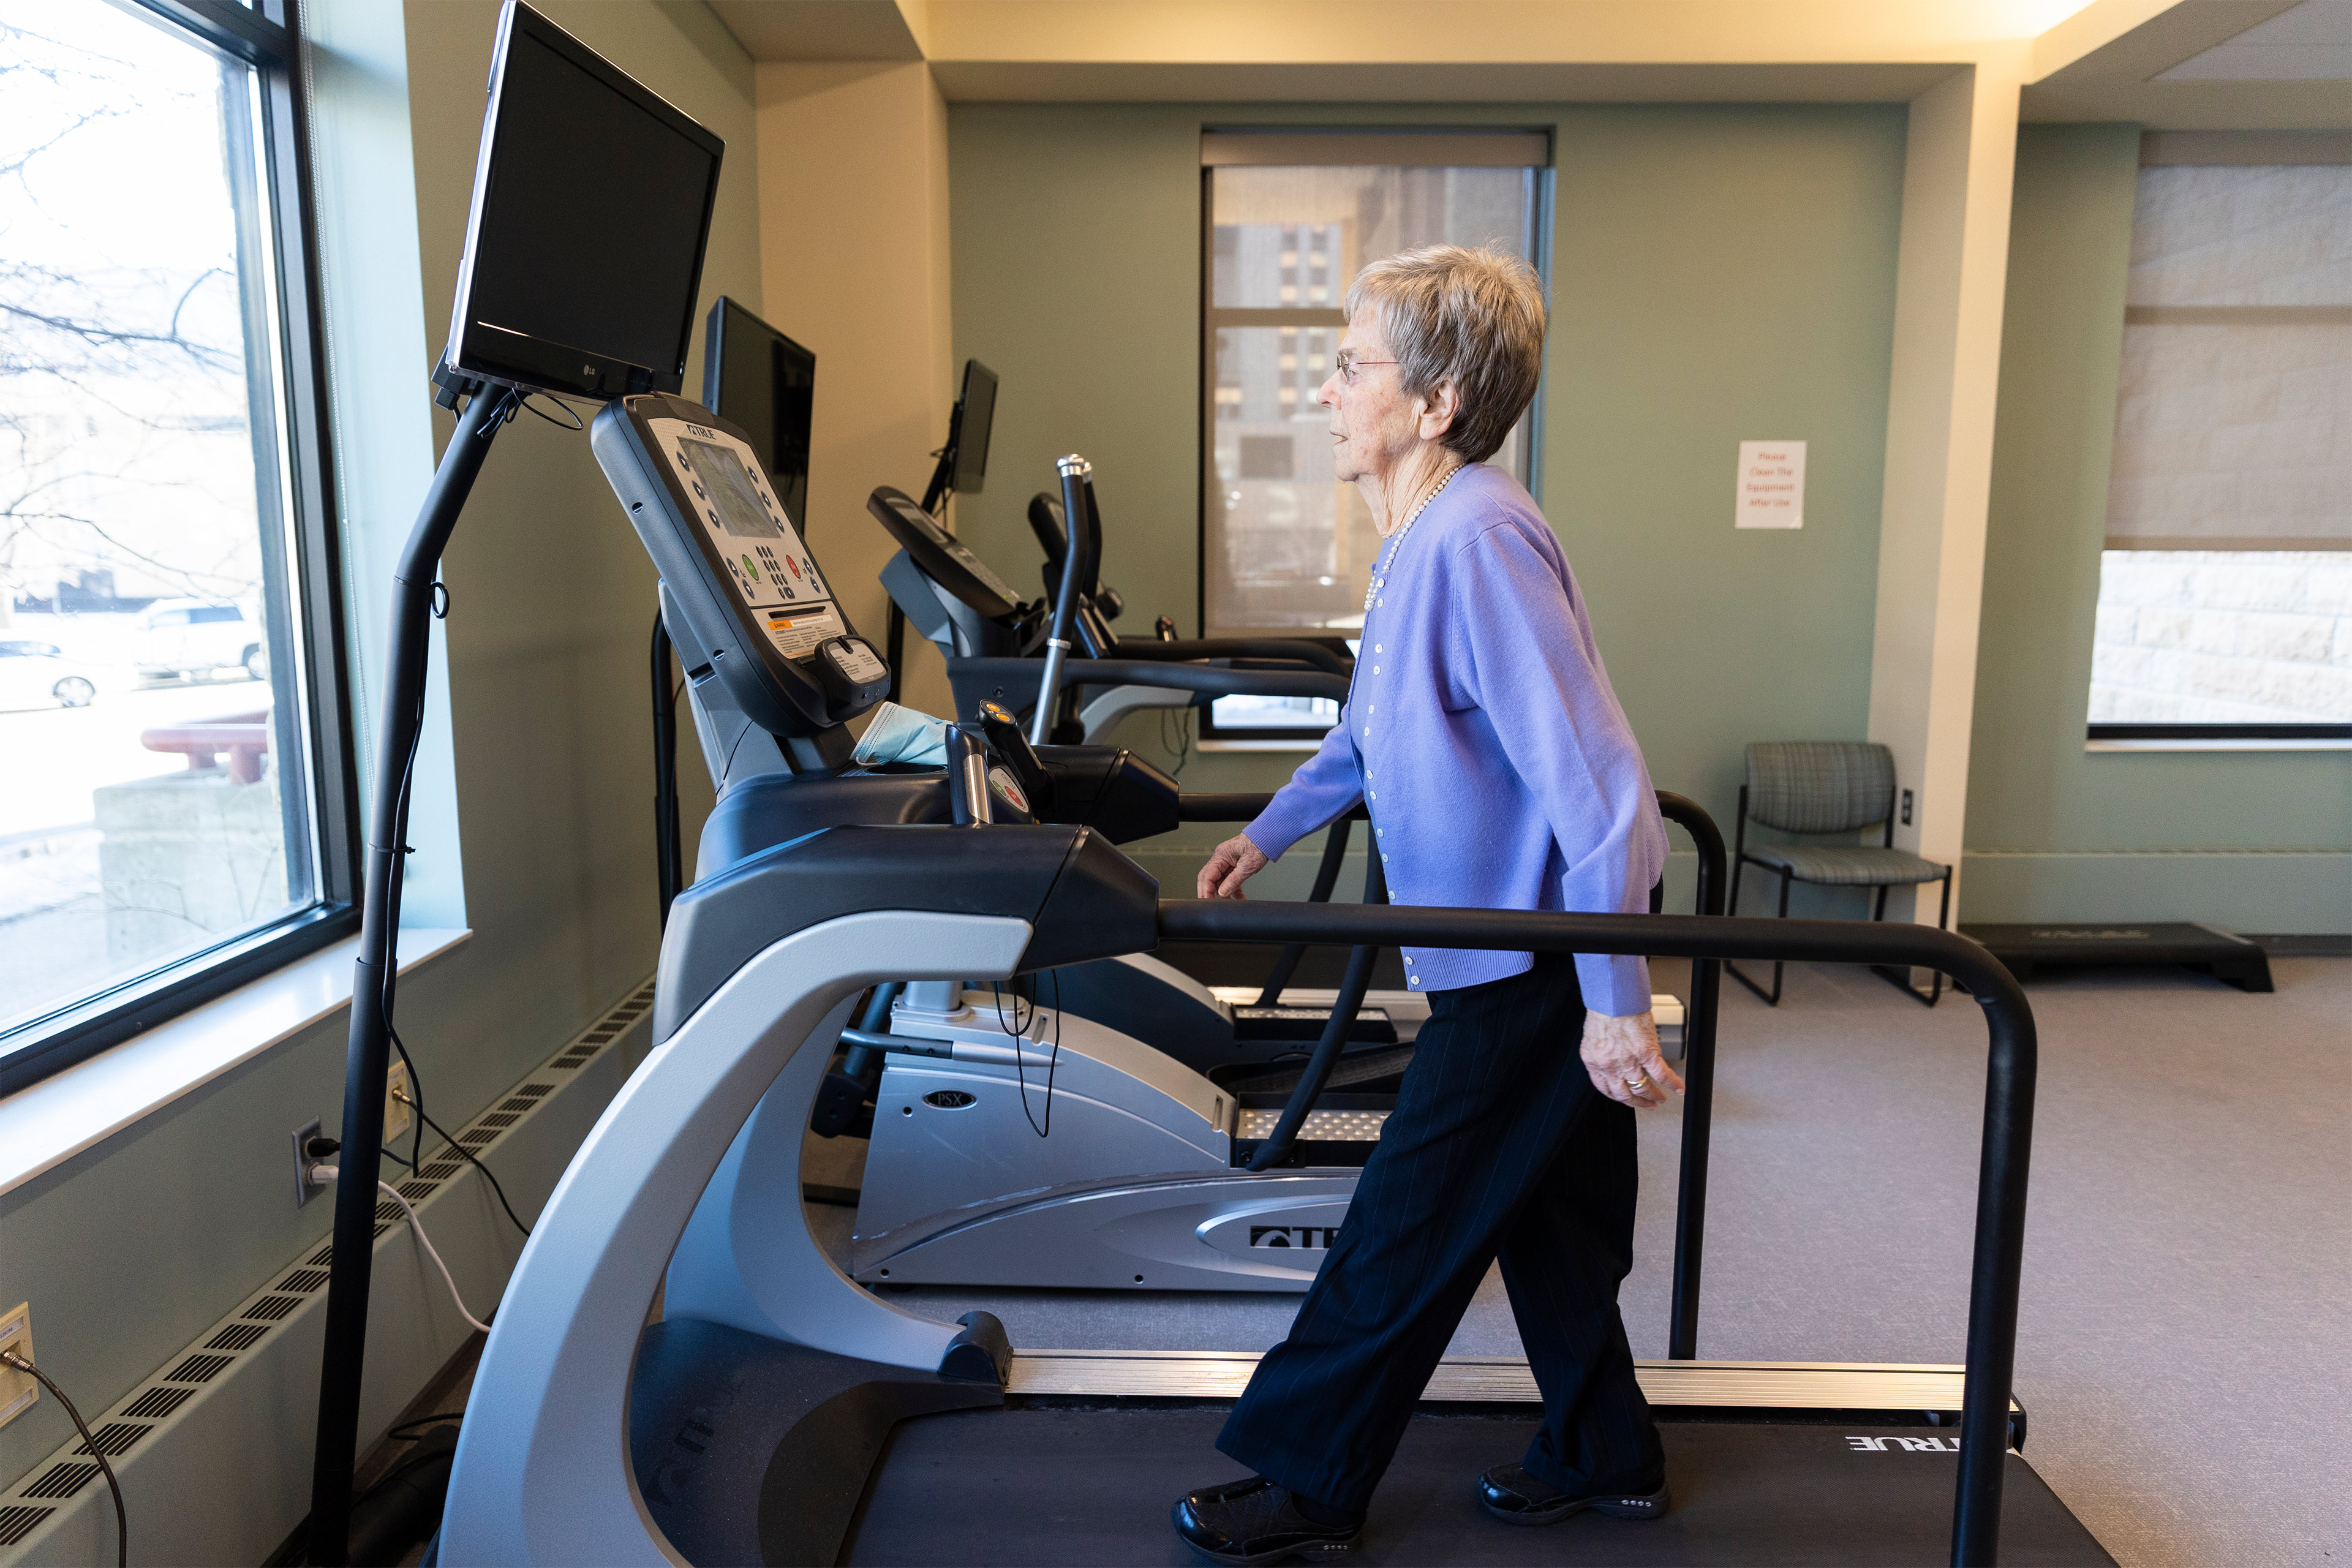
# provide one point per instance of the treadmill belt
(1058, 1485)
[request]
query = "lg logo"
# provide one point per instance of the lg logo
(1907, 1445)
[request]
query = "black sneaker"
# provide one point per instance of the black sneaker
(1508, 1493)
(1252, 1521)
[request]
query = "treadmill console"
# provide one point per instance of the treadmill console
(942, 557)
(758, 611)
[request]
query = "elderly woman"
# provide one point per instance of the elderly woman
(1499, 772)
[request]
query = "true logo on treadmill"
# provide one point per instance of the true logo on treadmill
(1317, 1237)
(1903, 1444)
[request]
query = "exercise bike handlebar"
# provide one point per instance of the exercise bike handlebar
(2006, 1150)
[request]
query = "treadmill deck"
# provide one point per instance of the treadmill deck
(1052, 1485)
(1691, 1384)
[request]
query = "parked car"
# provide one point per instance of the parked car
(198, 637)
(34, 674)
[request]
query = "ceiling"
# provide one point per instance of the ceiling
(2214, 65)
(2167, 64)
(2312, 42)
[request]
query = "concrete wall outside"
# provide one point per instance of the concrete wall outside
(187, 856)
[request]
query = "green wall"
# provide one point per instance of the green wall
(2256, 841)
(1718, 273)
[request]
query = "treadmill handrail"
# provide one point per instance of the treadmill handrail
(1698, 1081)
(1073, 469)
(2007, 1145)
(1298, 649)
(1211, 678)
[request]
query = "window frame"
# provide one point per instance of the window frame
(1364, 146)
(266, 37)
(2236, 149)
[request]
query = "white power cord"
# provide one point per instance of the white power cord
(322, 1174)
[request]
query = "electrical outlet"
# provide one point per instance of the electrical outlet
(305, 1189)
(18, 1390)
(399, 1116)
(1907, 808)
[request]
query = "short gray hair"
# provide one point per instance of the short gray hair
(1475, 318)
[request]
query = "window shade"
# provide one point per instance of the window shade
(2233, 424)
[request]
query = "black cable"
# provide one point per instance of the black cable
(408, 1466)
(1052, 1062)
(121, 1515)
(390, 981)
(574, 424)
(415, 1160)
(1019, 1025)
(400, 1429)
(415, 1104)
(1178, 741)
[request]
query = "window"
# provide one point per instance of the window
(172, 803)
(1292, 217)
(2225, 591)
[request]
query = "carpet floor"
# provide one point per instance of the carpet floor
(2185, 1338)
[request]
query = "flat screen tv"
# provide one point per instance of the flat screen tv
(975, 412)
(591, 211)
(754, 377)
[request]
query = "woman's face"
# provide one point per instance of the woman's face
(1373, 423)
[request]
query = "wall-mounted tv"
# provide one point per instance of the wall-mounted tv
(591, 209)
(754, 377)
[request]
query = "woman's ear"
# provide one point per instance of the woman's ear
(1439, 407)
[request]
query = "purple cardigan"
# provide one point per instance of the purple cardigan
(1482, 732)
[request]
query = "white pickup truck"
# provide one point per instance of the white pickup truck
(198, 637)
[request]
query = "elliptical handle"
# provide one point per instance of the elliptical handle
(1075, 471)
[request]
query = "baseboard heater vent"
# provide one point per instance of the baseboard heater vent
(43, 1499)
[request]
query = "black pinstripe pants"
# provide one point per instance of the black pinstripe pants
(1500, 1148)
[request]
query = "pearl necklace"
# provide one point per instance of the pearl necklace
(1379, 573)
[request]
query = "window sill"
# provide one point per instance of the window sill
(2187, 743)
(50, 1122)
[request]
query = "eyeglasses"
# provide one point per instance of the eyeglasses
(1349, 364)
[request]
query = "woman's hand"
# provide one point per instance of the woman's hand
(1622, 1056)
(1235, 861)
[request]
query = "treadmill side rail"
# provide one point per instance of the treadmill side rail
(542, 1471)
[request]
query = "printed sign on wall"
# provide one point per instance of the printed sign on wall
(1771, 485)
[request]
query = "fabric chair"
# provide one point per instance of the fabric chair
(1823, 787)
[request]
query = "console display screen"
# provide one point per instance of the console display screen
(722, 475)
(754, 538)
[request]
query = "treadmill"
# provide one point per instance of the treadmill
(991, 638)
(1146, 1156)
(780, 1413)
